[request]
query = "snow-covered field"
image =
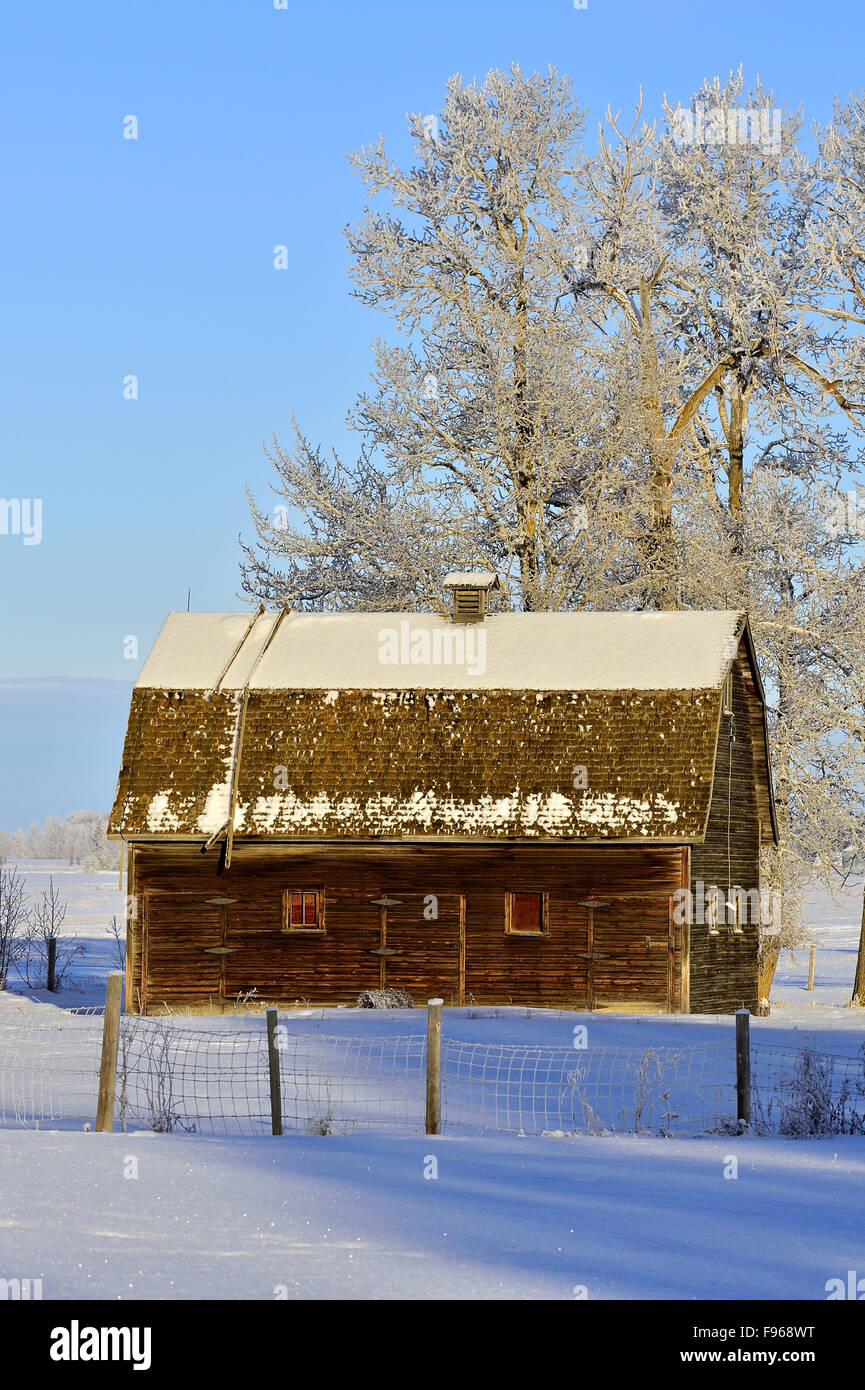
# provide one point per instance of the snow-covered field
(92, 900)
(356, 1217)
(372, 1215)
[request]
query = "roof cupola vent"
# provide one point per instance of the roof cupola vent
(470, 593)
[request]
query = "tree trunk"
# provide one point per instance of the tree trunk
(859, 979)
(736, 471)
(770, 950)
(662, 558)
(526, 500)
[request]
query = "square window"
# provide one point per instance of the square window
(526, 913)
(303, 909)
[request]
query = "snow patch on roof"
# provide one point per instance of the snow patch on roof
(160, 817)
(424, 811)
(215, 813)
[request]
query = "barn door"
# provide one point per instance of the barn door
(631, 954)
(182, 941)
(423, 945)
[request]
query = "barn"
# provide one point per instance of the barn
(560, 809)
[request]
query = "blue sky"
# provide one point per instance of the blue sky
(154, 257)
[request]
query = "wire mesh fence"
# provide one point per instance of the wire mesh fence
(49, 1069)
(189, 1081)
(197, 1081)
(217, 1081)
(340, 1085)
(663, 1090)
(802, 1092)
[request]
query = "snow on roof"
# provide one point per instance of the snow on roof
(470, 579)
(421, 651)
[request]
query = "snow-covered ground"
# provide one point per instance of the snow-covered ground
(146, 1215)
(356, 1217)
(92, 900)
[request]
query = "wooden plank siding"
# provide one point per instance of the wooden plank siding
(461, 953)
(724, 966)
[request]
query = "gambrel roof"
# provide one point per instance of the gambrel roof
(358, 726)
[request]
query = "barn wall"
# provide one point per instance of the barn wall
(203, 955)
(724, 966)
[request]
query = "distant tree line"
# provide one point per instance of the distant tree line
(80, 838)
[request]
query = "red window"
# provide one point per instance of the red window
(302, 909)
(526, 912)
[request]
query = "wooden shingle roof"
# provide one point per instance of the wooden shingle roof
(556, 727)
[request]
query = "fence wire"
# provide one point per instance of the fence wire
(209, 1081)
(190, 1081)
(340, 1085)
(801, 1092)
(174, 1079)
(49, 1070)
(664, 1090)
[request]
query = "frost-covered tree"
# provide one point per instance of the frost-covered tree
(839, 240)
(13, 918)
(489, 414)
(701, 252)
(80, 836)
(48, 955)
(740, 299)
(629, 377)
(806, 593)
(101, 853)
(745, 270)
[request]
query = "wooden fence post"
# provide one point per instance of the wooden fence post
(273, 1067)
(108, 1066)
(434, 1066)
(51, 970)
(743, 1067)
(811, 963)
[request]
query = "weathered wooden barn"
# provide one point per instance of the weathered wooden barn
(506, 808)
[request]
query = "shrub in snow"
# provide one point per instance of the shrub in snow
(812, 1102)
(43, 937)
(321, 1124)
(118, 936)
(384, 999)
(150, 1067)
(13, 916)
